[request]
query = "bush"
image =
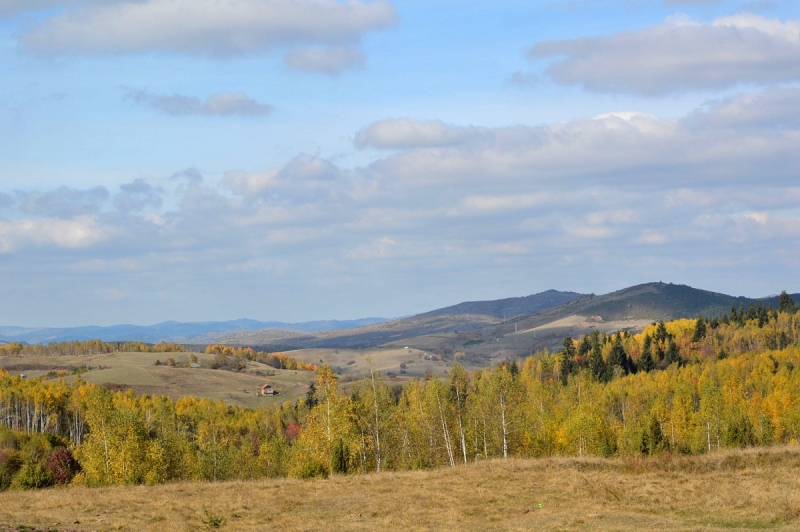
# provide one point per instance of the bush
(62, 466)
(212, 520)
(10, 463)
(33, 475)
(310, 468)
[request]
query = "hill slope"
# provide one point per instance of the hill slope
(665, 301)
(462, 317)
(545, 327)
(506, 308)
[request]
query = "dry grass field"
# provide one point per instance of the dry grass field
(139, 372)
(757, 489)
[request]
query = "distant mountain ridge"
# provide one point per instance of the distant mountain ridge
(506, 308)
(649, 301)
(493, 319)
(171, 331)
(667, 301)
(469, 315)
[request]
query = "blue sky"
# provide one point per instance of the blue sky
(314, 159)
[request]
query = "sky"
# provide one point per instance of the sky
(295, 160)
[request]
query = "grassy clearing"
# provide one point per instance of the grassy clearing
(139, 372)
(742, 490)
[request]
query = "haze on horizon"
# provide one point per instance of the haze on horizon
(296, 160)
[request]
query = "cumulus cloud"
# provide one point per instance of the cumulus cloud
(64, 202)
(617, 148)
(207, 27)
(408, 133)
(219, 104)
(774, 107)
(304, 179)
(704, 193)
(190, 175)
(136, 196)
(330, 60)
(679, 55)
(79, 232)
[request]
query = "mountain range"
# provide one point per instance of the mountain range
(171, 331)
(523, 323)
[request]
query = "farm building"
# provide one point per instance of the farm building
(267, 389)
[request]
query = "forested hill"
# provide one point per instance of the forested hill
(506, 308)
(680, 387)
(666, 301)
(483, 319)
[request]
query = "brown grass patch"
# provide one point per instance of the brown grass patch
(744, 490)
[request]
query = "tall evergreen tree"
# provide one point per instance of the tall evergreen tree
(585, 346)
(568, 363)
(699, 330)
(618, 357)
(672, 354)
(596, 363)
(646, 362)
(786, 303)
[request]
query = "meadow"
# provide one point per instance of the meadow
(139, 372)
(753, 489)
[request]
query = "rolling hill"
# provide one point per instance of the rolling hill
(506, 308)
(532, 322)
(461, 317)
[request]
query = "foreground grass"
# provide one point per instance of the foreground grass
(754, 489)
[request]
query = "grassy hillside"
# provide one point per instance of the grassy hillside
(139, 372)
(469, 315)
(742, 490)
(472, 326)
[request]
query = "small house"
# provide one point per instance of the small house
(267, 389)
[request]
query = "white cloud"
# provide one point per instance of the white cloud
(696, 194)
(472, 204)
(330, 60)
(136, 196)
(80, 232)
(774, 107)
(305, 178)
(679, 55)
(63, 202)
(638, 151)
(407, 133)
(207, 27)
(219, 104)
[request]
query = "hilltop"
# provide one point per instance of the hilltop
(461, 317)
(514, 327)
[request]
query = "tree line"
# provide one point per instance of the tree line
(235, 357)
(684, 386)
(86, 347)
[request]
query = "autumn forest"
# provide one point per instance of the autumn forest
(688, 386)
